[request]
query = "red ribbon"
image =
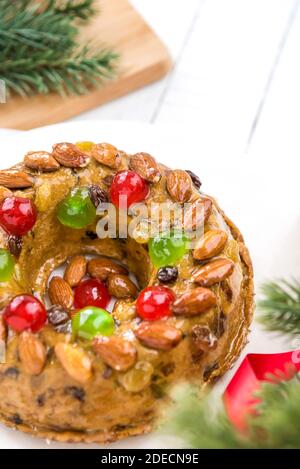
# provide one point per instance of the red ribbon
(239, 397)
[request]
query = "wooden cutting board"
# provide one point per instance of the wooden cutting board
(143, 59)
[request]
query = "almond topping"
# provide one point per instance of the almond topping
(116, 352)
(146, 166)
(41, 161)
(102, 268)
(32, 353)
(158, 335)
(67, 154)
(121, 286)
(75, 361)
(4, 193)
(14, 179)
(198, 213)
(179, 185)
(106, 154)
(60, 293)
(194, 302)
(210, 245)
(213, 272)
(75, 270)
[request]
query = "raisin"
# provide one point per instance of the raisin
(76, 392)
(65, 328)
(209, 369)
(16, 419)
(167, 274)
(12, 372)
(227, 290)
(168, 369)
(203, 339)
(15, 245)
(40, 400)
(91, 235)
(57, 315)
(97, 195)
(196, 181)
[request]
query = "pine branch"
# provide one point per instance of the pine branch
(276, 425)
(39, 51)
(83, 9)
(280, 307)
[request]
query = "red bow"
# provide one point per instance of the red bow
(239, 397)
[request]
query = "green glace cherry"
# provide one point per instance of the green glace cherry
(92, 321)
(7, 265)
(167, 249)
(77, 210)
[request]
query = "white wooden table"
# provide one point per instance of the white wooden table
(236, 71)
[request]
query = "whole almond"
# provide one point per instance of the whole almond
(69, 155)
(32, 353)
(121, 286)
(146, 166)
(158, 335)
(210, 245)
(75, 270)
(102, 268)
(41, 161)
(75, 361)
(179, 185)
(15, 179)
(213, 272)
(60, 293)
(4, 193)
(106, 154)
(194, 302)
(118, 353)
(197, 214)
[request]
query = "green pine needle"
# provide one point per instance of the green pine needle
(39, 51)
(280, 306)
(83, 9)
(276, 425)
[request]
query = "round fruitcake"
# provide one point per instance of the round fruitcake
(74, 368)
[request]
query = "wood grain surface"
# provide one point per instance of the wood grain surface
(144, 59)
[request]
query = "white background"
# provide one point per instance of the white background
(236, 72)
(234, 95)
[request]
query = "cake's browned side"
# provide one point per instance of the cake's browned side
(52, 404)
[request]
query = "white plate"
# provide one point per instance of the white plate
(260, 192)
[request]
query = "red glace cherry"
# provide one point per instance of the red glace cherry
(154, 303)
(25, 312)
(128, 188)
(91, 292)
(17, 215)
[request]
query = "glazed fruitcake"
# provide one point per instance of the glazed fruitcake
(94, 330)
